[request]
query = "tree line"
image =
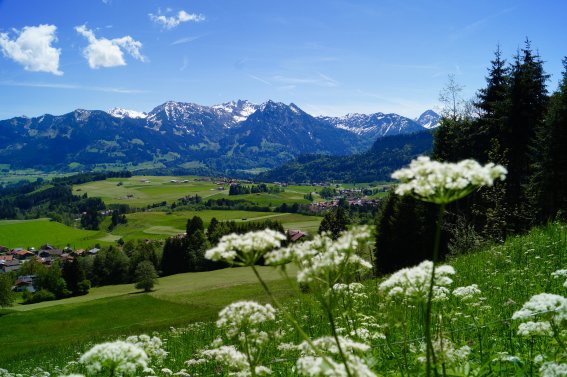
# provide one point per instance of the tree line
(513, 121)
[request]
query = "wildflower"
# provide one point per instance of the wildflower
(227, 355)
(311, 364)
(324, 259)
(120, 358)
(552, 369)
(245, 249)
(467, 293)
(544, 303)
(244, 314)
(560, 273)
(446, 352)
(443, 182)
(151, 345)
(535, 329)
(413, 283)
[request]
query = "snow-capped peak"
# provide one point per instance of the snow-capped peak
(118, 112)
(429, 119)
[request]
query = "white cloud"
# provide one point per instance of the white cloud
(174, 21)
(102, 52)
(32, 48)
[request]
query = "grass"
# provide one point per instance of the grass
(141, 191)
(158, 225)
(28, 233)
(141, 225)
(40, 333)
(507, 274)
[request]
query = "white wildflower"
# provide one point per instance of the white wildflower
(535, 329)
(551, 305)
(412, 283)
(153, 346)
(467, 293)
(244, 314)
(245, 249)
(123, 358)
(561, 274)
(446, 352)
(443, 182)
(227, 355)
(552, 369)
(506, 357)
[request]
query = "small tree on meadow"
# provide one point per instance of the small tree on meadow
(146, 276)
(6, 294)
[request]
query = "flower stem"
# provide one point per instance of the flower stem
(430, 354)
(288, 316)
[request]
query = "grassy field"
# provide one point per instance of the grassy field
(28, 233)
(140, 191)
(58, 329)
(141, 225)
(156, 225)
(51, 334)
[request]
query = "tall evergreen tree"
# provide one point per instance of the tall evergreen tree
(548, 183)
(528, 101)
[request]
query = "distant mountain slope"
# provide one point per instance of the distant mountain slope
(386, 155)
(231, 136)
(429, 119)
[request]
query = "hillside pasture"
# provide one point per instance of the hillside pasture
(158, 225)
(34, 233)
(56, 330)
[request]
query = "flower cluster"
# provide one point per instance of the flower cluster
(550, 308)
(153, 346)
(242, 315)
(412, 284)
(245, 249)
(324, 259)
(560, 274)
(468, 293)
(446, 352)
(119, 358)
(311, 363)
(443, 182)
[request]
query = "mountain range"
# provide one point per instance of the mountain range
(233, 136)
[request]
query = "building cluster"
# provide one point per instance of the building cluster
(13, 259)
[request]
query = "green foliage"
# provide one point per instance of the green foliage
(334, 222)
(145, 276)
(110, 266)
(386, 155)
(7, 297)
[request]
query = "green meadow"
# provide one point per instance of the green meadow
(54, 330)
(141, 225)
(28, 233)
(156, 225)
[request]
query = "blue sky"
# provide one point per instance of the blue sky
(328, 57)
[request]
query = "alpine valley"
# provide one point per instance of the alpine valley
(231, 137)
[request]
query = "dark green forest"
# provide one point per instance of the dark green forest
(514, 122)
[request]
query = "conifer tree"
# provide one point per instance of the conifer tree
(548, 183)
(528, 101)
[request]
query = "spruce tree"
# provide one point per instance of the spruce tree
(548, 183)
(528, 101)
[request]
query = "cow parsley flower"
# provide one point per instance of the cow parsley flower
(468, 293)
(153, 346)
(311, 364)
(244, 314)
(227, 355)
(324, 259)
(552, 369)
(546, 304)
(119, 357)
(535, 329)
(245, 249)
(412, 284)
(560, 274)
(444, 182)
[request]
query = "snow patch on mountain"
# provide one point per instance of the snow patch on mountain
(118, 112)
(429, 119)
